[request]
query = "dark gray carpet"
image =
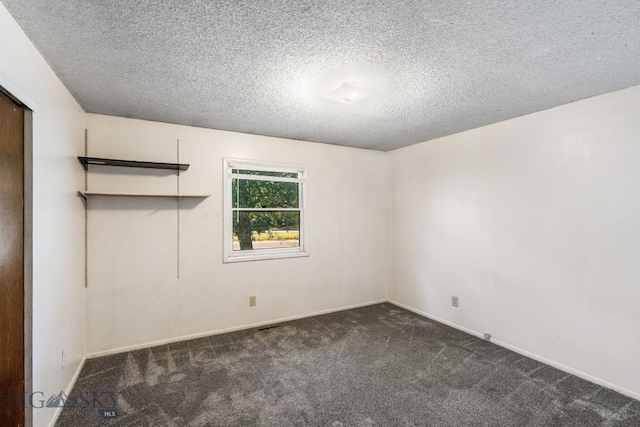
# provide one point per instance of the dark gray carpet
(373, 366)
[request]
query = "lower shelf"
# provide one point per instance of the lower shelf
(86, 194)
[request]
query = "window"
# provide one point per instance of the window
(264, 211)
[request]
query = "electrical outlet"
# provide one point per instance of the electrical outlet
(454, 301)
(487, 336)
(64, 359)
(252, 301)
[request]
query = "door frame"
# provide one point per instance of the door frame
(17, 96)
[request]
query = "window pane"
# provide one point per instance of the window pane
(266, 173)
(264, 194)
(265, 230)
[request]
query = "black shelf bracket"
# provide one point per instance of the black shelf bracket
(97, 161)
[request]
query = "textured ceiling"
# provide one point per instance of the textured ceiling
(429, 68)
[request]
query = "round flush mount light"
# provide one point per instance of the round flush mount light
(347, 93)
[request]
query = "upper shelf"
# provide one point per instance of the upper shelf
(86, 194)
(86, 161)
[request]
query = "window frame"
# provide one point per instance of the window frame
(229, 255)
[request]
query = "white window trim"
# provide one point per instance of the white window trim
(229, 255)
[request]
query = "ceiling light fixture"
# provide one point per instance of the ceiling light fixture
(347, 93)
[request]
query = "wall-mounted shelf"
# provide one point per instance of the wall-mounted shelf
(177, 167)
(86, 194)
(86, 161)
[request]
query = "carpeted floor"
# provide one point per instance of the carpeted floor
(373, 366)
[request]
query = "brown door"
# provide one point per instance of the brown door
(11, 263)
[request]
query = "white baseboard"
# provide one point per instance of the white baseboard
(526, 353)
(224, 331)
(67, 391)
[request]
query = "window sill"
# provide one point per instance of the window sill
(257, 256)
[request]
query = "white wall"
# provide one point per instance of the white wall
(534, 223)
(59, 307)
(135, 297)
